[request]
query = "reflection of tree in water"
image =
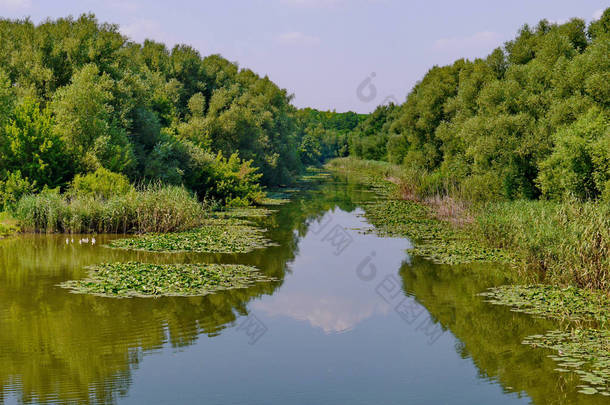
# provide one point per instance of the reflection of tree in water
(491, 335)
(78, 348)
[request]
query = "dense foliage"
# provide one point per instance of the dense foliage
(76, 97)
(531, 120)
(324, 134)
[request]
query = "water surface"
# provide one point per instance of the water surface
(352, 319)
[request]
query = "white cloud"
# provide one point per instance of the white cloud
(297, 38)
(329, 313)
(598, 14)
(15, 4)
(481, 40)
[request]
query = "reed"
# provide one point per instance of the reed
(566, 242)
(152, 208)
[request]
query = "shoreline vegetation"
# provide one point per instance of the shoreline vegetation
(564, 243)
(154, 208)
(434, 236)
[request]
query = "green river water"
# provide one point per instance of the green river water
(352, 319)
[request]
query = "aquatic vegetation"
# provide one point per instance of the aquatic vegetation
(313, 174)
(314, 177)
(459, 251)
(276, 199)
(135, 279)
(585, 352)
(215, 236)
(433, 239)
(244, 212)
(569, 303)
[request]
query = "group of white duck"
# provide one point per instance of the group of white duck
(81, 241)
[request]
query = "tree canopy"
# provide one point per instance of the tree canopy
(76, 97)
(530, 120)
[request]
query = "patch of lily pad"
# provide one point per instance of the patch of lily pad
(564, 303)
(244, 212)
(585, 352)
(135, 279)
(314, 174)
(276, 198)
(215, 236)
(433, 239)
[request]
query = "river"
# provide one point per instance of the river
(351, 319)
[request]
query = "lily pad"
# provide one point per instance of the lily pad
(216, 236)
(133, 279)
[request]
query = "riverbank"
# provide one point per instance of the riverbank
(566, 243)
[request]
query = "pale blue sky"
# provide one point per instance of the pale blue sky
(321, 50)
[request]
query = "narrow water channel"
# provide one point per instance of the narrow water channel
(352, 319)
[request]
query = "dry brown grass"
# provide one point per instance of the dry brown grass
(449, 209)
(444, 207)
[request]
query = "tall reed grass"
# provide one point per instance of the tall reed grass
(369, 171)
(567, 242)
(154, 208)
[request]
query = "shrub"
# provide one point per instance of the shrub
(100, 184)
(8, 225)
(13, 188)
(236, 181)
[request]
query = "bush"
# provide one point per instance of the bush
(155, 208)
(100, 184)
(13, 188)
(236, 181)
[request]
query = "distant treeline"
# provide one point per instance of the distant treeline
(531, 120)
(77, 97)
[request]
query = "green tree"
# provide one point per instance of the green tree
(30, 145)
(84, 120)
